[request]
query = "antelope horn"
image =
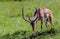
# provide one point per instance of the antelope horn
(23, 16)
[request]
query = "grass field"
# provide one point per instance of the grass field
(12, 25)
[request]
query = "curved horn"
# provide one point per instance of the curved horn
(23, 16)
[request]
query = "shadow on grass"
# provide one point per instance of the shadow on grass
(44, 33)
(20, 35)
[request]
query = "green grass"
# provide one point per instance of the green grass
(11, 20)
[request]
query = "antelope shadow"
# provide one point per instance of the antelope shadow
(18, 33)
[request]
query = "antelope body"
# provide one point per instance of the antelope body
(43, 14)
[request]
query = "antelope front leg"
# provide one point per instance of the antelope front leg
(42, 19)
(46, 23)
